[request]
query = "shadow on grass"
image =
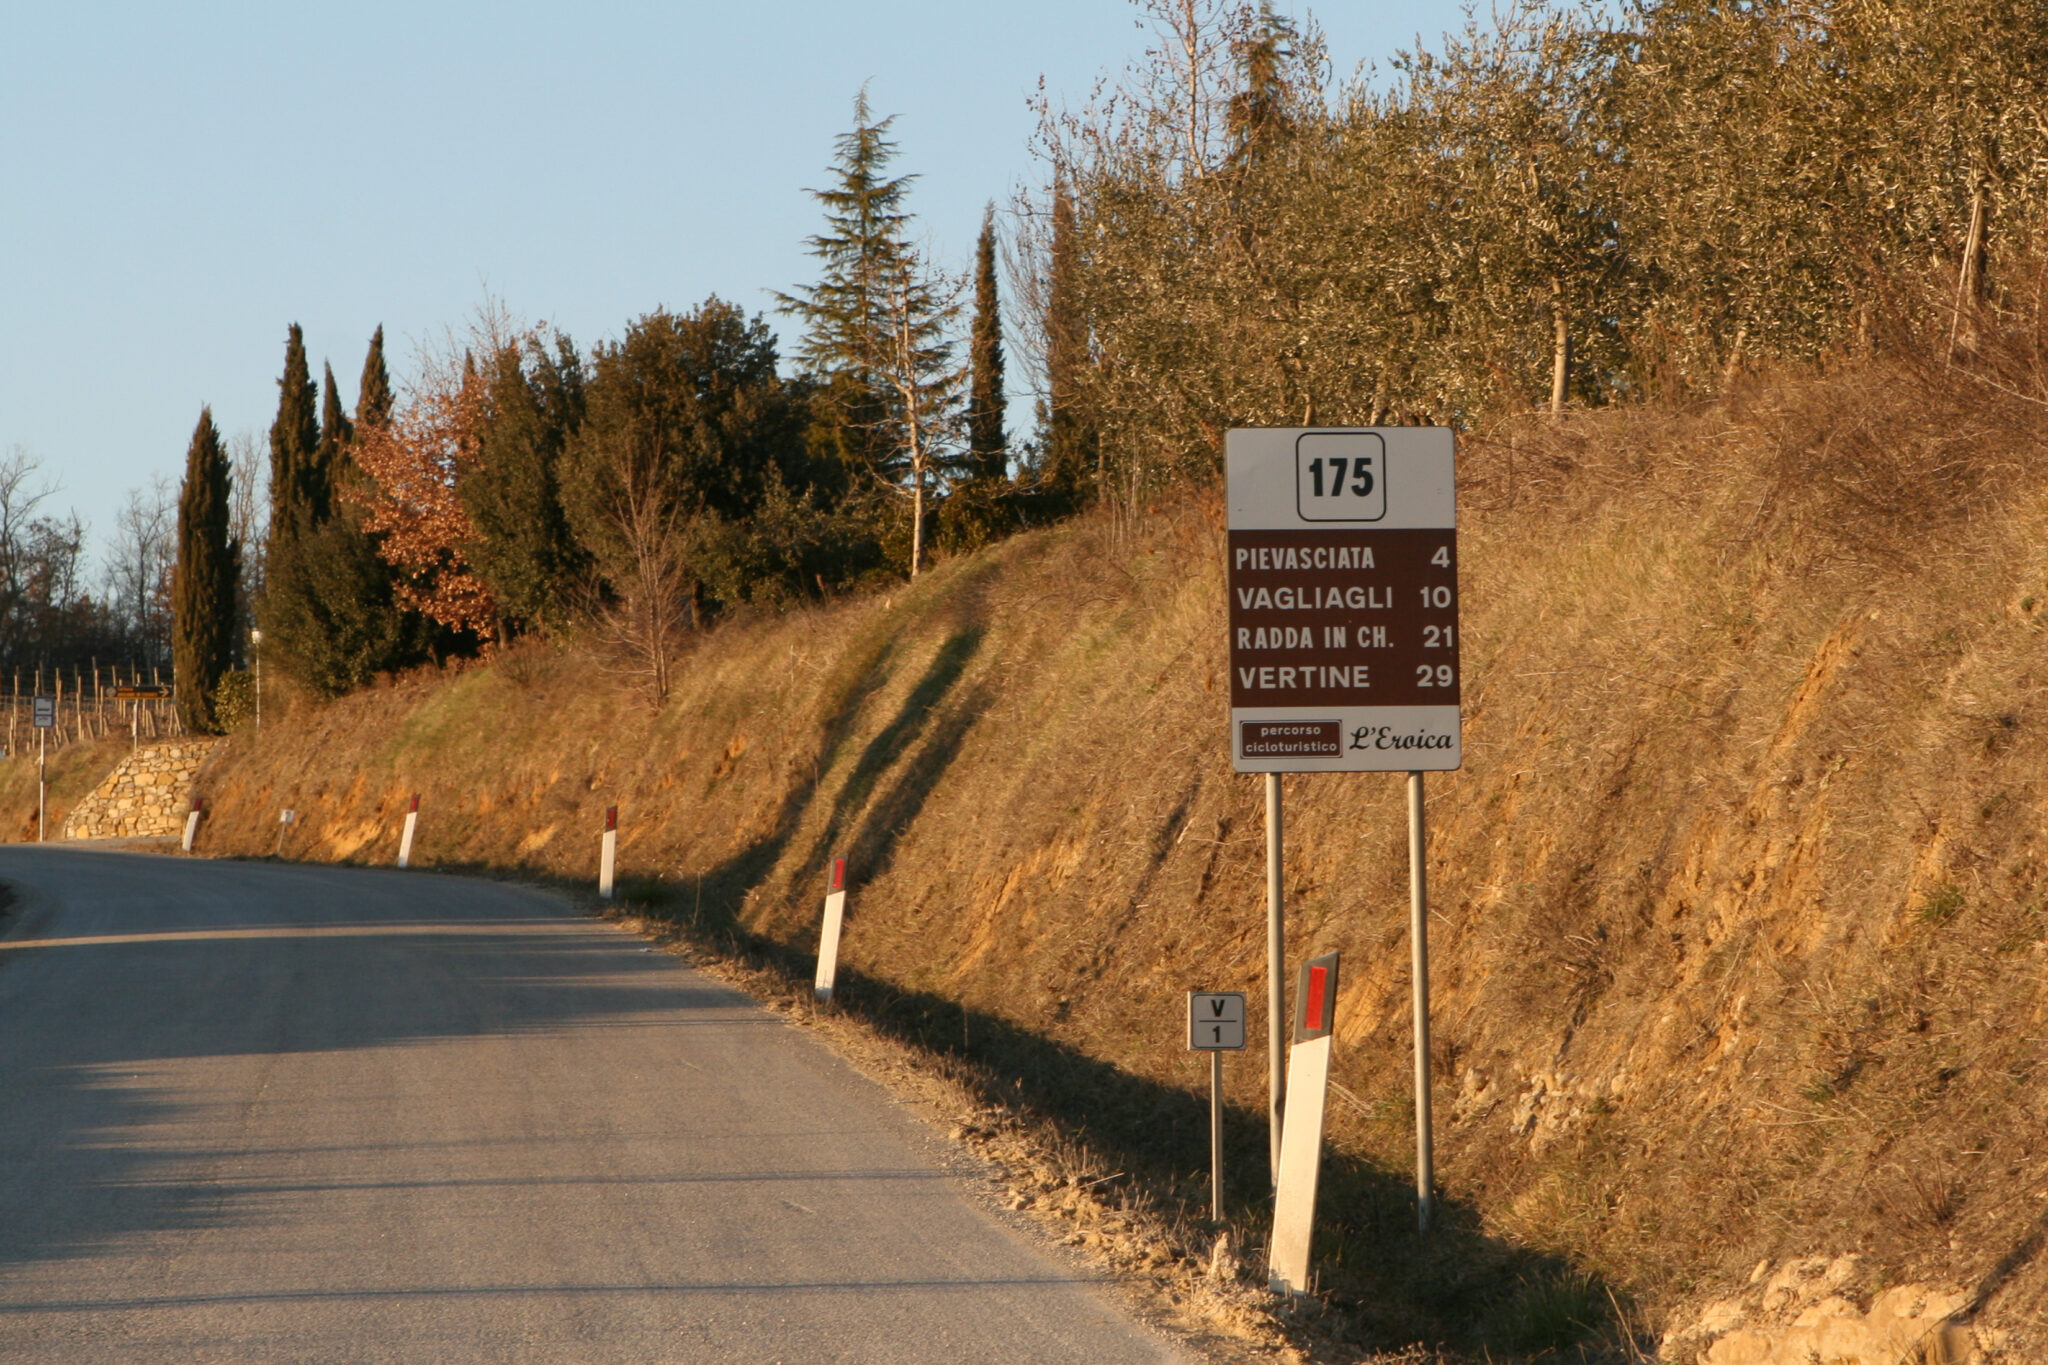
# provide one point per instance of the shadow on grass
(1382, 1285)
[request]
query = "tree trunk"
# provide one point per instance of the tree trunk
(1560, 348)
(916, 515)
(1962, 331)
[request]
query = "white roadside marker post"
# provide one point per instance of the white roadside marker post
(608, 853)
(412, 822)
(1216, 1026)
(192, 822)
(1301, 1152)
(828, 938)
(284, 823)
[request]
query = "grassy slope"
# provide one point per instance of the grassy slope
(73, 770)
(1738, 929)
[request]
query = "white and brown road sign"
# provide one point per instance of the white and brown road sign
(1343, 581)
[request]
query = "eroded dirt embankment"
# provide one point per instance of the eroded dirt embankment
(1739, 914)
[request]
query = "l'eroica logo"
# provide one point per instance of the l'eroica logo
(1387, 737)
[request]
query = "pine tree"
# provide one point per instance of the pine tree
(886, 401)
(987, 443)
(203, 582)
(846, 341)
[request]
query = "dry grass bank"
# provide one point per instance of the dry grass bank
(1740, 914)
(73, 771)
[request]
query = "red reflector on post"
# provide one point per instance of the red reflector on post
(611, 818)
(415, 803)
(1312, 1010)
(1315, 996)
(839, 874)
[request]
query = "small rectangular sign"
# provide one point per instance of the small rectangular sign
(1215, 1021)
(1291, 739)
(1315, 998)
(141, 691)
(45, 713)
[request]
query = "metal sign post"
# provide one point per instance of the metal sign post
(1276, 976)
(608, 853)
(1216, 1026)
(1343, 583)
(828, 938)
(1301, 1156)
(1418, 945)
(44, 714)
(412, 822)
(284, 822)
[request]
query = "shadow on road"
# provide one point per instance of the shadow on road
(115, 970)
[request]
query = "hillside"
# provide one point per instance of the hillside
(1740, 926)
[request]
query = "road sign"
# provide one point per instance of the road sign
(142, 691)
(45, 712)
(1215, 1021)
(1343, 582)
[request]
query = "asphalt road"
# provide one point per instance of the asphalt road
(264, 1112)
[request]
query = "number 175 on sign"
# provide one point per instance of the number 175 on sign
(1216, 1021)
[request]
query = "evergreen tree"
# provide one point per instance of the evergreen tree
(294, 439)
(331, 609)
(987, 443)
(687, 431)
(336, 432)
(524, 551)
(203, 582)
(373, 394)
(846, 341)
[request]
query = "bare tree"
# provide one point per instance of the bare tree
(651, 613)
(922, 305)
(248, 509)
(20, 495)
(138, 569)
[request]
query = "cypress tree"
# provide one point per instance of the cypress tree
(331, 607)
(336, 431)
(294, 441)
(373, 393)
(203, 581)
(987, 444)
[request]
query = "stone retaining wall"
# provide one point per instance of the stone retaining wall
(147, 795)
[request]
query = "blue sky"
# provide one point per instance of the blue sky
(179, 183)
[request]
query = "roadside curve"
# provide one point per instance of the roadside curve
(261, 1112)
